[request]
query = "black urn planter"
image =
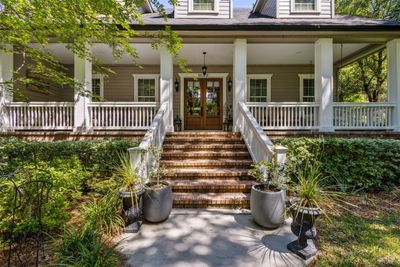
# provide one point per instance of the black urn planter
(267, 208)
(157, 203)
(132, 209)
(303, 226)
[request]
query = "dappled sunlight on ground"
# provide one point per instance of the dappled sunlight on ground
(209, 238)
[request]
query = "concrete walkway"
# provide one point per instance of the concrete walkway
(192, 238)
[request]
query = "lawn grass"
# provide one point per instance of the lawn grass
(365, 236)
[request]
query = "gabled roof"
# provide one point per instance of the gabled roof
(245, 19)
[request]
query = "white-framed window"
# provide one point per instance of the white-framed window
(305, 5)
(307, 87)
(259, 87)
(97, 86)
(203, 5)
(146, 87)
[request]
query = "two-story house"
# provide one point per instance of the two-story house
(272, 67)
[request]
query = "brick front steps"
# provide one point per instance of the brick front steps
(207, 169)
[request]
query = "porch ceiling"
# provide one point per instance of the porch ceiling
(217, 54)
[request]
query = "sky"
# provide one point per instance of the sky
(236, 3)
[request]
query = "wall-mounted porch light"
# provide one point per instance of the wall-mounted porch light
(230, 84)
(176, 85)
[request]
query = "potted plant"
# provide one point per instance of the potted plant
(267, 200)
(310, 197)
(130, 192)
(157, 200)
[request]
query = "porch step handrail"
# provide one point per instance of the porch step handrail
(286, 115)
(121, 115)
(363, 116)
(40, 115)
(259, 145)
(140, 156)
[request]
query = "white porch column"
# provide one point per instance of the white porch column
(83, 75)
(393, 55)
(6, 96)
(324, 82)
(240, 77)
(166, 84)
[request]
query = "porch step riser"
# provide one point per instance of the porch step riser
(218, 200)
(207, 170)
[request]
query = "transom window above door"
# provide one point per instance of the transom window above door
(259, 87)
(203, 5)
(146, 88)
(305, 5)
(307, 88)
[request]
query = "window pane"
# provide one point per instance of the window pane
(304, 5)
(96, 85)
(258, 90)
(203, 5)
(308, 90)
(193, 94)
(146, 90)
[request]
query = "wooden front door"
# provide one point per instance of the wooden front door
(203, 104)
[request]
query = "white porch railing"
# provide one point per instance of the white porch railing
(140, 156)
(259, 145)
(286, 115)
(363, 116)
(40, 115)
(121, 115)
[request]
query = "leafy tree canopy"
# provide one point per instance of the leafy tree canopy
(79, 23)
(366, 79)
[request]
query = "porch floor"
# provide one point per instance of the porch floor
(207, 237)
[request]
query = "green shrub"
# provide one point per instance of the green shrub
(63, 178)
(85, 248)
(353, 164)
(97, 157)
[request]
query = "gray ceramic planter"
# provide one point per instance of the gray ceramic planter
(157, 204)
(267, 208)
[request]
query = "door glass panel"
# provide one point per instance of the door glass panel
(212, 100)
(193, 98)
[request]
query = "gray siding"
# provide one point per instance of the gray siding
(182, 10)
(22, 93)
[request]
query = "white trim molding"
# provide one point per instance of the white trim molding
(137, 77)
(101, 78)
(301, 80)
(267, 77)
(182, 76)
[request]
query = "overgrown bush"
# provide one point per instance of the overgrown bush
(58, 181)
(352, 164)
(99, 158)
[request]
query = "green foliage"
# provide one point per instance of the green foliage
(128, 175)
(97, 157)
(82, 21)
(352, 164)
(103, 214)
(270, 173)
(366, 78)
(64, 177)
(379, 9)
(85, 248)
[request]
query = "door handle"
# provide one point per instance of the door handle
(201, 111)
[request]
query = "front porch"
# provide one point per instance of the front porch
(286, 87)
